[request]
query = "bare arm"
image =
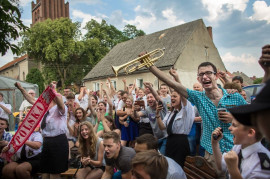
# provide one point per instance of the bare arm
(100, 156)
(125, 84)
(28, 97)
(215, 146)
(127, 175)
(5, 109)
(155, 94)
(113, 92)
(33, 144)
(108, 173)
(175, 75)
(171, 83)
(93, 112)
(265, 62)
(158, 118)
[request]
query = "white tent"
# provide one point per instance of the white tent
(13, 96)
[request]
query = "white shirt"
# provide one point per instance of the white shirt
(30, 152)
(121, 104)
(56, 123)
(252, 167)
(3, 114)
(25, 104)
(83, 102)
(183, 121)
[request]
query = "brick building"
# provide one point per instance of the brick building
(53, 9)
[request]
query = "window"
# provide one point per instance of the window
(96, 86)
(113, 83)
(139, 83)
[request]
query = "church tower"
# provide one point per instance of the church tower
(44, 9)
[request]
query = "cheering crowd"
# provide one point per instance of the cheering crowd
(147, 133)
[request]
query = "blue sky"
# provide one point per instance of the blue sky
(240, 27)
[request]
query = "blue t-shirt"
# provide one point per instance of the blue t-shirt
(209, 115)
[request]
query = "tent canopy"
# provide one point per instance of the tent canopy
(13, 96)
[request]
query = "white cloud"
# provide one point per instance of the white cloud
(146, 20)
(84, 18)
(142, 21)
(261, 11)
(89, 2)
(171, 17)
(26, 2)
(245, 63)
(217, 11)
(27, 22)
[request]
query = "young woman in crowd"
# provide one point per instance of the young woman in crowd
(130, 129)
(92, 150)
(28, 157)
(178, 123)
(108, 124)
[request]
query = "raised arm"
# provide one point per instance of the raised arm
(171, 83)
(175, 75)
(112, 88)
(155, 94)
(125, 84)
(58, 99)
(265, 62)
(93, 112)
(28, 97)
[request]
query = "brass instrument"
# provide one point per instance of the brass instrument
(138, 63)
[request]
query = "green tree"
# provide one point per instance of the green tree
(10, 25)
(258, 80)
(35, 77)
(131, 32)
(56, 44)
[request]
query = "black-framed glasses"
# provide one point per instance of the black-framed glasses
(207, 73)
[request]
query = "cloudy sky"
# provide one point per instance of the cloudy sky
(240, 27)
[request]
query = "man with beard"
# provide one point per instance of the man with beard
(116, 156)
(207, 103)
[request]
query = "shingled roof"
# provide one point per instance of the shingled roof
(174, 40)
(11, 63)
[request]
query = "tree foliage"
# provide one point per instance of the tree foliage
(54, 43)
(65, 54)
(10, 25)
(258, 81)
(35, 77)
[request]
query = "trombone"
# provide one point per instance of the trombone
(140, 62)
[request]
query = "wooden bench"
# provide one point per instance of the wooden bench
(65, 175)
(196, 167)
(69, 173)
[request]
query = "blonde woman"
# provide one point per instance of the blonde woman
(91, 149)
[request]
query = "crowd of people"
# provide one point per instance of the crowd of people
(146, 133)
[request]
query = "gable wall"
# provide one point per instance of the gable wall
(194, 54)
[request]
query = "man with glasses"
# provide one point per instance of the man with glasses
(25, 103)
(207, 103)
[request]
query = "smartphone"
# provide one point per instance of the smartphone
(215, 137)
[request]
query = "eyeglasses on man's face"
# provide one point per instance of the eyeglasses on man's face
(207, 73)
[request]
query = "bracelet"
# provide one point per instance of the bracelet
(157, 116)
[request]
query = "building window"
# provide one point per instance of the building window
(139, 83)
(113, 83)
(23, 76)
(96, 86)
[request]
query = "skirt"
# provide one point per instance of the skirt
(177, 148)
(54, 156)
(131, 132)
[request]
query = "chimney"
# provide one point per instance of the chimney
(209, 29)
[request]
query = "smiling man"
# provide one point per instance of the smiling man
(116, 156)
(207, 103)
